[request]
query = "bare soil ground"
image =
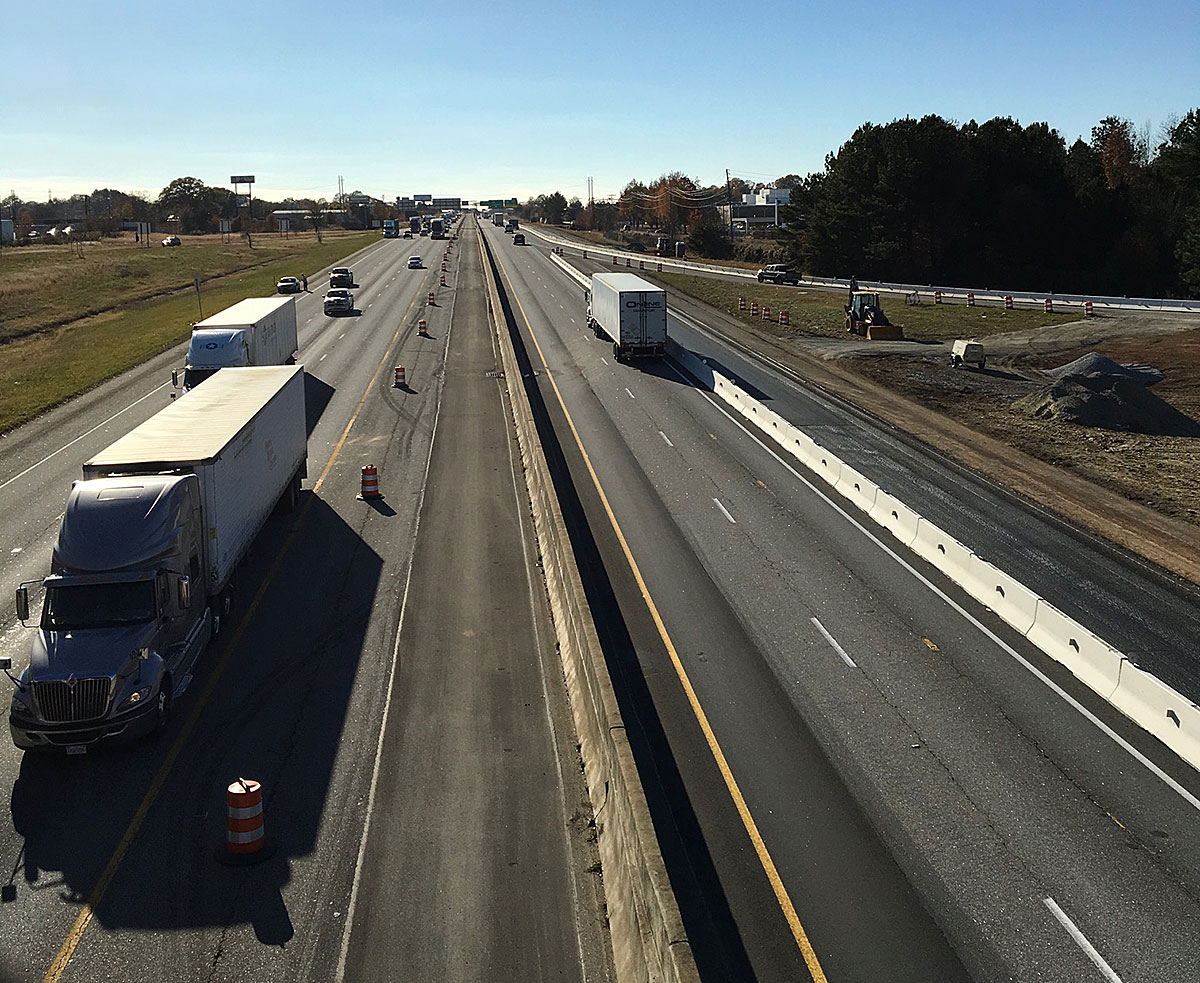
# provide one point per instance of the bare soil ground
(1157, 471)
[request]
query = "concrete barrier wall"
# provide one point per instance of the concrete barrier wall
(1005, 595)
(648, 938)
(1090, 658)
(1156, 707)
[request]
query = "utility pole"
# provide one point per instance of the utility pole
(729, 198)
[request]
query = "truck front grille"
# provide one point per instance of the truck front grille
(65, 702)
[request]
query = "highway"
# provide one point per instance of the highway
(924, 790)
(385, 680)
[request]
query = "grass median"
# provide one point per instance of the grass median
(821, 312)
(46, 367)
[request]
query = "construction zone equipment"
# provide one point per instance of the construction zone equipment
(864, 316)
(966, 353)
(370, 483)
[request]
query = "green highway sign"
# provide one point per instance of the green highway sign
(499, 203)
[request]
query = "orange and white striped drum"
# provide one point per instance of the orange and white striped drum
(245, 831)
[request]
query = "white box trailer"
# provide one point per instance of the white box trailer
(255, 331)
(141, 572)
(629, 311)
(243, 434)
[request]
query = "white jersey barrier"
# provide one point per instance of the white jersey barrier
(976, 296)
(1146, 700)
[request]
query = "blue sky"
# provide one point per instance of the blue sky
(483, 99)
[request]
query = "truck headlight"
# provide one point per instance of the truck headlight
(136, 697)
(20, 706)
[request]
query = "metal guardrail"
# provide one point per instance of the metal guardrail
(984, 296)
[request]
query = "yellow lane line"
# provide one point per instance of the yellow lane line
(760, 847)
(75, 935)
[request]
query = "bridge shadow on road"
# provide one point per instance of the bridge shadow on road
(270, 702)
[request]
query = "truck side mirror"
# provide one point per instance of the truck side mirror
(22, 604)
(185, 593)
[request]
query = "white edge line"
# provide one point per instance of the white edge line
(725, 511)
(347, 930)
(1081, 940)
(82, 435)
(834, 642)
(1137, 755)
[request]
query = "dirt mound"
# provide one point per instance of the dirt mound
(1110, 402)
(1093, 363)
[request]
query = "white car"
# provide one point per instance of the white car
(339, 300)
(172, 241)
(414, 262)
(288, 285)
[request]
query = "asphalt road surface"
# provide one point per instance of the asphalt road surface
(320, 694)
(933, 792)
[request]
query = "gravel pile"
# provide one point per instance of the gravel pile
(1110, 402)
(1093, 363)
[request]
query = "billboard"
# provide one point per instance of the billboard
(422, 197)
(447, 203)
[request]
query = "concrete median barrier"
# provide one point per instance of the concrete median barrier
(943, 551)
(855, 486)
(1090, 659)
(1154, 706)
(648, 937)
(896, 517)
(1005, 595)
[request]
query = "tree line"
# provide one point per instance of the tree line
(979, 204)
(186, 203)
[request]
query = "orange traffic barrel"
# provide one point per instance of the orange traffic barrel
(783, 317)
(1088, 309)
(1008, 302)
(245, 833)
(370, 483)
(443, 279)
(766, 314)
(422, 328)
(399, 383)
(741, 303)
(432, 300)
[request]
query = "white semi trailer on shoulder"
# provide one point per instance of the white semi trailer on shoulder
(140, 577)
(630, 312)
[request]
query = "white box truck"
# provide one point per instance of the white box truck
(141, 573)
(255, 331)
(630, 312)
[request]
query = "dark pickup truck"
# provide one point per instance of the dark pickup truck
(778, 274)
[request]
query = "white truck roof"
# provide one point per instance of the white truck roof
(248, 311)
(201, 423)
(625, 281)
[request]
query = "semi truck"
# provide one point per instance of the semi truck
(391, 228)
(436, 227)
(630, 312)
(255, 331)
(141, 575)
(498, 219)
(414, 224)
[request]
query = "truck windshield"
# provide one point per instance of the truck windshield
(193, 377)
(98, 605)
